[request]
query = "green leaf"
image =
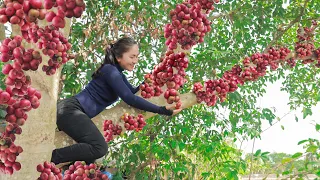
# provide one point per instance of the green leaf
(184, 129)
(318, 98)
(297, 155)
(306, 112)
(317, 127)
(296, 118)
(3, 113)
(312, 149)
(265, 153)
(182, 145)
(267, 113)
(205, 174)
(282, 127)
(303, 141)
(285, 172)
(286, 160)
(257, 152)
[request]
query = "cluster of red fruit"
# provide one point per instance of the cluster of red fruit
(52, 42)
(8, 155)
(12, 129)
(18, 105)
(203, 96)
(110, 130)
(172, 96)
(66, 8)
(234, 75)
(256, 65)
(18, 95)
(70, 8)
(12, 12)
(49, 171)
(306, 33)
(148, 88)
(16, 113)
(16, 117)
(304, 50)
(164, 70)
(30, 60)
(253, 68)
(171, 72)
(163, 73)
(33, 11)
(26, 11)
(79, 170)
(189, 25)
(206, 5)
(276, 56)
(11, 49)
(218, 88)
(305, 45)
(54, 45)
(132, 122)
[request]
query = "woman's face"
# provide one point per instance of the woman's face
(129, 58)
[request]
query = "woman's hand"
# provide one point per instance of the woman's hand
(173, 107)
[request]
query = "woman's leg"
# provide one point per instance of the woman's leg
(90, 145)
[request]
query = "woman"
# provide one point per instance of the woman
(107, 85)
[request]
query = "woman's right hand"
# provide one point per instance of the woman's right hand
(173, 108)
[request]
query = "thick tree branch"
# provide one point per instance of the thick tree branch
(114, 114)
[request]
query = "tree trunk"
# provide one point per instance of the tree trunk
(37, 138)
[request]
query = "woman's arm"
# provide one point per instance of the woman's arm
(114, 78)
(133, 89)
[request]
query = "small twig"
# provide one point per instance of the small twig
(276, 122)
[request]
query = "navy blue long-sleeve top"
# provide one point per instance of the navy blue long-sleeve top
(106, 89)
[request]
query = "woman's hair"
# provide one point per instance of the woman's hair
(114, 51)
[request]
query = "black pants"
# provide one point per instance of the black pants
(73, 121)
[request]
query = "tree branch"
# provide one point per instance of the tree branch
(251, 163)
(276, 122)
(278, 34)
(114, 114)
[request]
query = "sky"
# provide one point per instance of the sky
(284, 140)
